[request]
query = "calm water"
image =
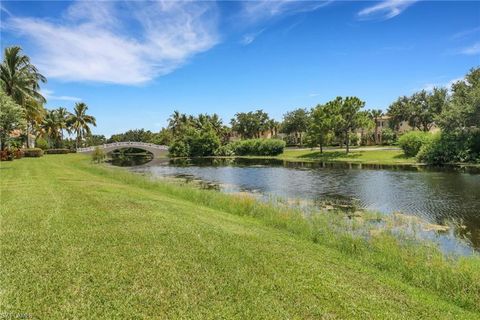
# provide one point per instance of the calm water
(442, 196)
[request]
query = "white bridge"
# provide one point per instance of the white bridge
(155, 149)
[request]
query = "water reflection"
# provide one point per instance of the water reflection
(441, 195)
(128, 157)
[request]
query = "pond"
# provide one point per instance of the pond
(448, 195)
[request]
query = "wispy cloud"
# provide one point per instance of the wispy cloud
(471, 50)
(118, 42)
(466, 33)
(267, 9)
(385, 10)
(250, 37)
(49, 95)
(313, 95)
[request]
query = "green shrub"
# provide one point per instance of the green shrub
(449, 147)
(32, 152)
(42, 143)
(389, 137)
(179, 149)
(195, 143)
(412, 141)
(57, 151)
(258, 147)
(98, 155)
(225, 151)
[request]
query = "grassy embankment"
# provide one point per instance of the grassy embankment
(372, 156)
(85, 241)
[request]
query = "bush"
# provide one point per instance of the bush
(42, 144)
(258, 147)
(225, 151)
(389, 137)
(98, 155)
(448, 147)
(412, 141)
(179, 149)
(18, 153)
(7, 155)
(57, 151)
(33, 152)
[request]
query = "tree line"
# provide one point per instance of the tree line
(22, 108)
(342, 121)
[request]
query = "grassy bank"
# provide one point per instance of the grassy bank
(86, 241)
(373, 156)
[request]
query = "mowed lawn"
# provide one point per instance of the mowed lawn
(373, 156)
(78, 242)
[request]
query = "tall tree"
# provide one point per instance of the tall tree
(63, 117)
(346, 116)
(376, 115)
(11, 118)
(20, 80)
(424, 107)
(462, 113)
(319, 130)
(250, 124)
(80, 121)
(296, 122)
(51, 127)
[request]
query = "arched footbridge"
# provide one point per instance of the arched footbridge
(158, 151)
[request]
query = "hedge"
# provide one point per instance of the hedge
(258, 147)
(33, 152)
(57, 151)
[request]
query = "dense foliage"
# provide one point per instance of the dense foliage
(459, 140)
(258, 147)
(11, 118)
(412, 141)
(251, 124)
(33, 152)
(296, 122)
(57, 151)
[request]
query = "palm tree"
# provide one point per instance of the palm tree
(79, 121)
(20, 80)
(50, 126)
(175, 121)
(63, 117)
(376, 114)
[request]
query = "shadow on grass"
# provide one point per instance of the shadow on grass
(401, 157)
(329, 155)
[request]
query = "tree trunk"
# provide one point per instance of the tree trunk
(376, 133)
(301, 139)
(28, 135)
(321, 148)
(347, 138)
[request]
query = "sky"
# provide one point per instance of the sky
(134, 63)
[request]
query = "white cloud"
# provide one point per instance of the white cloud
(250, 37)
(314, 95)
(49, 95)
(471, 50)
(385, 9)
(266, 9)
(118, 42)
(447, 85)
(466, 33)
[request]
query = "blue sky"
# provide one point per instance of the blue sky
(134, 63)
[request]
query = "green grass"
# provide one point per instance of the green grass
(388, 157)
(85, 241)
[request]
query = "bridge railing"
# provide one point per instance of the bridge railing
(126, 144)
